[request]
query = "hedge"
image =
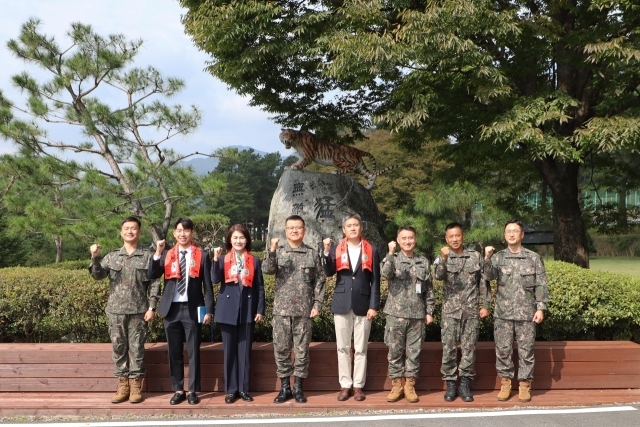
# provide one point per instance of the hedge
(61, 305)
(82, 264)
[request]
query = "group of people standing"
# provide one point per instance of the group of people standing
(300, 275)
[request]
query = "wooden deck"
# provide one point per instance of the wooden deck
(77, 379)
(14, 404)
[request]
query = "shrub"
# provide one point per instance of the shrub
(590, 305)
(57, 305)
(258, 245)
(49, 305)
(81, 264)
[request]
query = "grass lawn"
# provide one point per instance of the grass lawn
(626, 265)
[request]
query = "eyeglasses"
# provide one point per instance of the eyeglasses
(512, 231)
(298, 228)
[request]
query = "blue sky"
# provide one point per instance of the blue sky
(227, 119)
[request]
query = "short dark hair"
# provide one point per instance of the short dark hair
(408, 228)
(514, 221)
(186, 223)
(294, 218)
(453, 225)
(245, 232)
(351, 216)
(131, 219)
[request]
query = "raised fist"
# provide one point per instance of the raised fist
(392, 246)
(216, 253)
(327, 244)
(95, 250)
(160, 244)
(274, 244)
(444, 252)
(488, 251)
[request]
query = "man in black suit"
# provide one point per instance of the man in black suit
(356, 301)
(186, 270)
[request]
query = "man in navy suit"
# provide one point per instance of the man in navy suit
(356, 301)
(187, 285)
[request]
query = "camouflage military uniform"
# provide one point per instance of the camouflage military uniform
(300, 281)
(128, 301)
(405, 310)
(522, 289)
(464, 288)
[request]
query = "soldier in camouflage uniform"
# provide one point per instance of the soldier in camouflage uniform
(521, 301)
(299, 292)
(408, 308)
(460, 270)
(132, 302)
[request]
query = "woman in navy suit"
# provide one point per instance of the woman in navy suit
(240, 305)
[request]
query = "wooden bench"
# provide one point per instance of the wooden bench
(88, 367)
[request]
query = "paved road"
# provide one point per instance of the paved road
(609, 416)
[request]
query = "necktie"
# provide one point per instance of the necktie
(182, 283)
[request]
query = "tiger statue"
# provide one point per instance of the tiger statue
(346, 159)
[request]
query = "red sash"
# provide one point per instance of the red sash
(231, 272)
(342, 256)
(172, 263)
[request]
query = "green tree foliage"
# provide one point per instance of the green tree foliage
(44, 196)
(443, 203)
(12, 251)
(550, 80)
(210, 229)
(76, 87)
(246, 182)
(616, 172)
(267, 50)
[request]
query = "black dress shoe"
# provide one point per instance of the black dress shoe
(193, 399)
(246, 396)
(178, 397)
(230, 398)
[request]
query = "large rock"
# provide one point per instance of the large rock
(323, 200)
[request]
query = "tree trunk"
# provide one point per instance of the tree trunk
(157, 233)
(569, 237)
(623, 220)
(58, 242)
(543, 196)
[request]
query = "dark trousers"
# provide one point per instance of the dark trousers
(178, 326)
(236, 342)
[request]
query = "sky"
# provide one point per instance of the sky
(226, 117)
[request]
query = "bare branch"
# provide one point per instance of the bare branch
(168, 199)
(192, 154)
(9, 185)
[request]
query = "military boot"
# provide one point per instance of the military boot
(505, 390)
(525, 391)
(123, 390)
(397, 392)
(135, 385)
(464, 391)
(410, 390)
(451, 393)
(297, 391)
(285, 391)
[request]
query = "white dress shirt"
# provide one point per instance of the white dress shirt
(177, 297)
